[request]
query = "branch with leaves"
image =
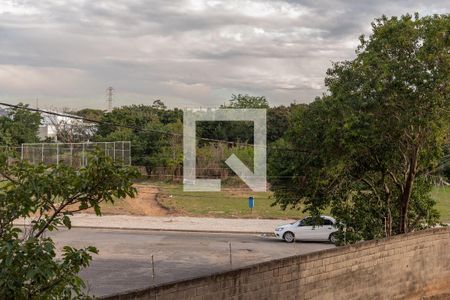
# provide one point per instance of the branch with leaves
(50, 195)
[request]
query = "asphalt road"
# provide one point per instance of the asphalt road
(124, 262)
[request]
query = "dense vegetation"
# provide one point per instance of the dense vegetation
(156, 134)
(29, 266)
(19, 126)
(370, 147)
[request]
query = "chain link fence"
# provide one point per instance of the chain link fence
(74, 154)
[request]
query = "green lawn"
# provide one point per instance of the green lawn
(227, 203)
(442, 196)
(234, 204)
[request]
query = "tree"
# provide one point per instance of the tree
(246, 101)
(236, 131)
(158, 104)
(278, 120)
(368, 146)
(152, 130)
(90, 114)
(70, 130)
(29, 267)
(19, 126)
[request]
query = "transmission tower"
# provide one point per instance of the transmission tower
(110, 93)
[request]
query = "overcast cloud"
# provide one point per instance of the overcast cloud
(187, 53)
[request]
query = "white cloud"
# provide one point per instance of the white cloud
(185, 52)
(16, 8)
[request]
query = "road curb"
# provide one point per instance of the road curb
(174, 230)
(160, 229)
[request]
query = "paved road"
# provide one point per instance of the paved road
(124, 262)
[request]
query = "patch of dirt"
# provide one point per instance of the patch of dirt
(146, 201)
(144, 204)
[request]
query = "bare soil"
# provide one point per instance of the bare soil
(144, 204)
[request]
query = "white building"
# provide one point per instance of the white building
(47, 131)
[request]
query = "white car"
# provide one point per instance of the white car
(308, 229)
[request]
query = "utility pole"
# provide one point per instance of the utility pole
(109, 93)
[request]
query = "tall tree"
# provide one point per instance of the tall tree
(370, 143)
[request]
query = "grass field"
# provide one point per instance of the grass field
(442, 196)
(232, 204)
(227, 203)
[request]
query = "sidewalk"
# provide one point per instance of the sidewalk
(175, 223)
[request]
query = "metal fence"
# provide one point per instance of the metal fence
(74, 154)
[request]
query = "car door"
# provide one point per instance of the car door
(329, 228)
(304, 229)
(322, 230)
(316, 229)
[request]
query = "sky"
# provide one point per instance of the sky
(188, 53)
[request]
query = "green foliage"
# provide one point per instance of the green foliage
(230, 131)
(242, 131)
(19, 126)
(155, 133)
(367, 147)
(279, 120)
(446, 173)
(170, 148)
(237, 131)
(29, 265)
(246, 101)
(90, 114)
(211, 159)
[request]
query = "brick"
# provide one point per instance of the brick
(361, 271)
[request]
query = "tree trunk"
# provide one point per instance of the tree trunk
(388, 218)
(407, 190)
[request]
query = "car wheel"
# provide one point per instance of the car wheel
(289, 237)
(332, 238)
